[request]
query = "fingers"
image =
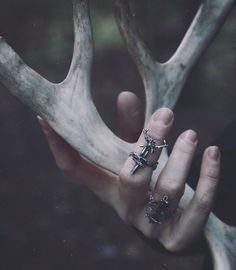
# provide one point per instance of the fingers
(196, 214)
(130, 116)
(172, 179)
(134, 187)
(65, 156)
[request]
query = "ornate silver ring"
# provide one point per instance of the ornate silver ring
(141, 161)
(149, 148)
(157, 211)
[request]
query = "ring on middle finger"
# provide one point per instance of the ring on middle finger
(151, 144)
(149, 148)
(141, 161)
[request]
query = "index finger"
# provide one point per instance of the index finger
(130, 116)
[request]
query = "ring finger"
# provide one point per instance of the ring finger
(171, 182)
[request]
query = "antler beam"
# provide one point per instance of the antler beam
(163, 82)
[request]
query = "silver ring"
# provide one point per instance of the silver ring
(149, 148)
(151, 144)
(157, 211)
(141, 161)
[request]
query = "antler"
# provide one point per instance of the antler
(221, 239)
(163, 82)
(69, 109)
(67, 106)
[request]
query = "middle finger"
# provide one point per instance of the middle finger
(134, 184)
(171, 181)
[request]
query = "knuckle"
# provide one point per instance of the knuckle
(211, 174)
(132, 181)
(148, 233)
(127, 217)
(62, 165)
(173, 246)
(172, 188)
(203, 203)
(127, 214)
(123, 174)
(176, 189)
(65, 164)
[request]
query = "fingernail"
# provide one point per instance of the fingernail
(164, 115)
(190, 136)
(213, 152)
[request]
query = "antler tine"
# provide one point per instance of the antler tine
(67, 106)
(206, 23)
(128, 28)
(24, 82)
(83, 43)
(77, 118)
(148, 68)
(163, 82)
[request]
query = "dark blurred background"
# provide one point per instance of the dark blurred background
(47, 221)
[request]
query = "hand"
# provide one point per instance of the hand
(128, 193)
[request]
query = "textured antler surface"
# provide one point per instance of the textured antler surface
(163, 82)
(221, 239)
(25, 83)
(68, 106)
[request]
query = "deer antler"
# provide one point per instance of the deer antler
(221, 239)
(69, 109)
(163, 82)
(67, 106)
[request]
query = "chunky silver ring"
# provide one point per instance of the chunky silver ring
(149, 148)
(141, 161)
(157, 211)
(151, 144)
